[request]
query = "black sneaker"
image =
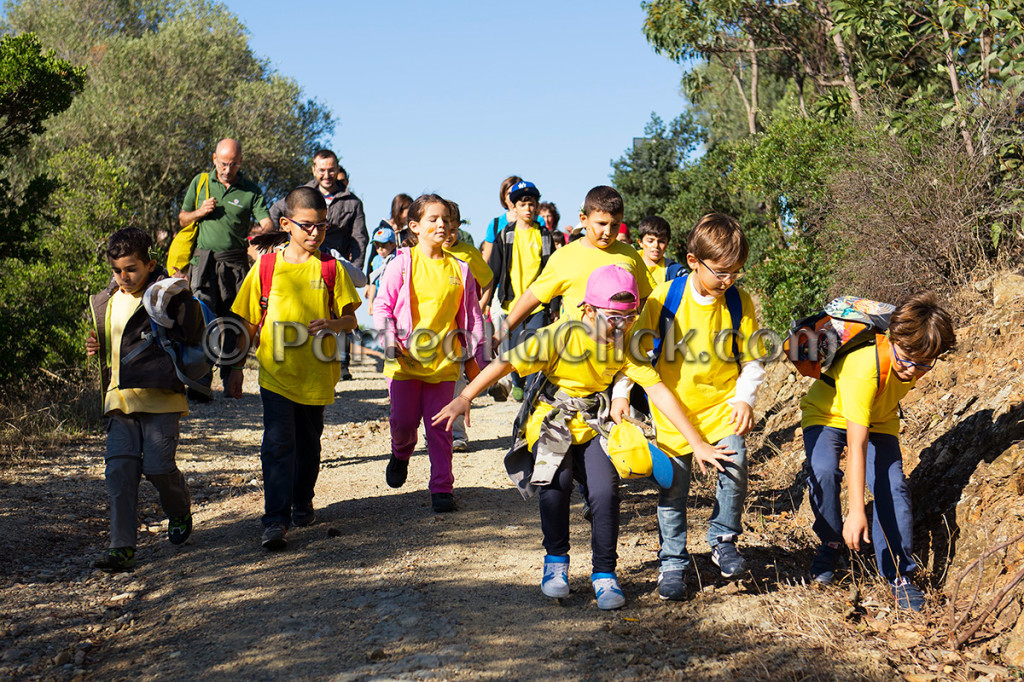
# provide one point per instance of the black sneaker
(672, 585)
(179, 528)
(116, 560)
(397, 471)
(304, 516)
(442, 502)
(346, 375)
(274, 537)
(907, 595)
(728, 560)
(823, 566)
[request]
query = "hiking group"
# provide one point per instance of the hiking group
(595, 336)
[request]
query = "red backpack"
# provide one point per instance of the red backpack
(328, 271)
(846, 323)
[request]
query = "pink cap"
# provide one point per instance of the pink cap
(605, 282)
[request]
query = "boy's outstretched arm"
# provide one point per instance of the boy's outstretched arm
(460, 404)
(665, 401)
(527, 302)
(856, 526)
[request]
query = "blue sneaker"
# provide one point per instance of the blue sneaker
(823, 566)
(728, 560)
(606, 589)
(555, 583)
(907, 595)
(672, 585)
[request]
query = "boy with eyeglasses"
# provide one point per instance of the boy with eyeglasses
(299, 363)
(693, 321)
(855, 406)
(580, 360)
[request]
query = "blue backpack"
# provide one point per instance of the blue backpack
(191, 362)
(677, 287)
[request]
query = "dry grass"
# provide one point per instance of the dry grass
(923, 213)
(39, 415)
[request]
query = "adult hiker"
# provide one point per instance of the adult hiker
(223, 204)
(346, 237)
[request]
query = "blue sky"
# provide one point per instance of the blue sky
(452, 97)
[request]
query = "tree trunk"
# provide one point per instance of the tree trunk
(844, 58)
(954, 84)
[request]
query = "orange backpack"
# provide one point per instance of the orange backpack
(846, 323)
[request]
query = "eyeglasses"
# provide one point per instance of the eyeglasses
(910, 364)
(616, 321)
(309, 227)
(723, 276)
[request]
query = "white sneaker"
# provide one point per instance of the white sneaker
(606, 589)
(460, 445)
(555, 583)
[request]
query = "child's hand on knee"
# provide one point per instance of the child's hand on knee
(714, 455)
(458, 406)
(742, 418)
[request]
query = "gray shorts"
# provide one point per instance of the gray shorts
(151, 437)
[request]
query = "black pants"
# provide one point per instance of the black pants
(290, 455)
(216, 282)
(589, 464)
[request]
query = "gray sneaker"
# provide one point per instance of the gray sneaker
(274, 537)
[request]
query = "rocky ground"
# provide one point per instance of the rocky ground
(383, 588)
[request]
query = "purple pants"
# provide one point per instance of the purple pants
(413, 400)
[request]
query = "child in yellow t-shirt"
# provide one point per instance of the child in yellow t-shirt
(428, 313)
(519, 254)
(568, 270)
(580, 359)
(855, 406)
(653, 235)
(298, 326)
(471, 256)
(717, 382)
(143, 397)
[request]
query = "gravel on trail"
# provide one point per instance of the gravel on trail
(381, 587)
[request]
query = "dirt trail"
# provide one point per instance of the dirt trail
(382, 588)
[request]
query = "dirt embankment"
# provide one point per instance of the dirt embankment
(383, 588)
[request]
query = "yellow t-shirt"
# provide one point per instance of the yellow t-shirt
(582, 368)
(701, 377)
(855, 397)
(304, 372)
(128, 400)
(658, 271)
(471, 256)
(569, 267)
(435, 291)
(525, 264)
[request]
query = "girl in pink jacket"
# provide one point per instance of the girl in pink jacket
(428, 315)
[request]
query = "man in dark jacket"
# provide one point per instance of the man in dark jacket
(347, 237)
(346, 224)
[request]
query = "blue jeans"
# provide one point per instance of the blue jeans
(725, 525)
(892, 531)
(290, 455)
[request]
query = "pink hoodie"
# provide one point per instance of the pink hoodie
(392, 309)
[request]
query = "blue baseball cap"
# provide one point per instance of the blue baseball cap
(523, 189)
(383, 235)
